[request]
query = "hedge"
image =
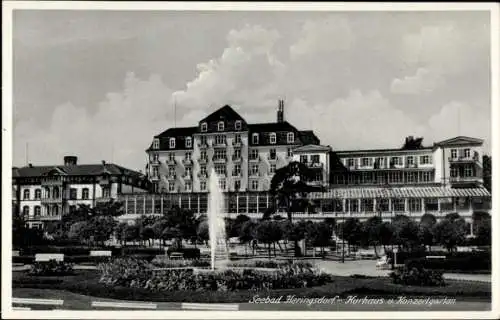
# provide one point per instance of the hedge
(189, 253)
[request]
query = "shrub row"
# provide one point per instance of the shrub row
(51, 268)
(417, 276)
(453, 263)
(189, 253)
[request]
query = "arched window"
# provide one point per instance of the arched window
(47, 193)
(55, 193)
(26, 210)
(272, 138)
(38, 210)
(38, 193)
(172, 143)
(55, 210)
(255, 138)
(85, 193)
(26, 194)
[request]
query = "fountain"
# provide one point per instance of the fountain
(216, 225)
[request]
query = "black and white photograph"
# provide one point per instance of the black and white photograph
(184, 159)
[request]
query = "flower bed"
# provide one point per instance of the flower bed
(140, 274)
(51, 268)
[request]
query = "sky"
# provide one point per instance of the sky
(101, 84)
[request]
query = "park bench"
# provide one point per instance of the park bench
(435, 257)
(46, 257)
(100, 253)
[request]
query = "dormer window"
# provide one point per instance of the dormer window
(255, 138)
(220, 126)
(204, 127)
(290, 137)
(237, 125)
(172, 143)
(272, 138)
(156, 143)
(189, 142)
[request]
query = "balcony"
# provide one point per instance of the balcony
(187, 176)
(315, 165)
(202, 160)
(171, 162)
(202, 175)
(172, 176)
(411, 166)
(49, 218)
(203, 144)
(352, 167)
(220, 144)
(378, 166)
(465, 180)
(254, 174)
(236, 158)
(270, 158)
(155, 177)
(103, 199)
(155, 162)
(254, 159)
(236, 174)
(237, 143)
(51, 200)
(463, 159)
(219, 160)
(187, 162)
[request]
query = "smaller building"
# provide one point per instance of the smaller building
(45, 193)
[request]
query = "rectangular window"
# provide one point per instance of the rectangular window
(425, 159)
(172, 143)
(454, 172)
(188, 142)
(415, 205)
(220, 154)
(379, 162)
(467, 153)
(222, 184)
(171, 157)
(272, 169)
(155, 171)
(204, 127)
(237, 154)
(453, 153)
(366, 162)
(426, 177)
(171, 171)
(203, 170)
(203, 140)
(396, 161)
(315, 158)
(289, 152)
(220, 169)
(411, 177)
(237, 185)
(188, 186)
(85, 193)
(171, 186)
(398, 205)
(106, 192)
(203, 185)
(382, 205)
(237, 125)
(272, 154)
(237, 138)
(367, 205)
(72, 194)
(188, 156)
(156, 143)
(254, 185)
(272, 138)
(38, 194)
(409, 160)
(254, 154)
(350, 162)
(188, 171)
(431, 204)
(395, 177)
(303, 158)
(353, 205)
(255, 169)
(237, 170)
(468, 171)
(220, 139)
(290, 138)
(203, 155)
(220, 126)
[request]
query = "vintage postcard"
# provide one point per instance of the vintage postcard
(237, 160)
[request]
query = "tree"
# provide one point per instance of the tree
(320, 235)
(79, 230)
(121, 232)
(405, 232)
(268, 232)
(352, 232)
(386, 234)
(202, 232)
(372, 229)
(425, 229)
(450, 232)
(184, 222)
(147, 234)
(412, 143)
(289, 188)
(101, 228)
(482, 227)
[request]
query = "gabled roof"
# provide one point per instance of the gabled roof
(460, 140)
(77, 170)
(312, 148)
(308, 137)
(224, 113)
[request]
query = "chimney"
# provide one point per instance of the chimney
(103, 162)
(70, 160)
(30, 165)
(281, 111)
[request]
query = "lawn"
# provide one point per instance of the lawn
(86, 282)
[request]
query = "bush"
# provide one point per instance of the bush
(23, 259)
(139, 274)
(415, 275)
(458, 261)
(141, 250)
(165, 262)
(87, 259)
(51, 268)
(189, 253)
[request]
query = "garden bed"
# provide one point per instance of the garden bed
(87, 283)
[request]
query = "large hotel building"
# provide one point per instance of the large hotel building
(414, 179)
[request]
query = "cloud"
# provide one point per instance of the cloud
(423, 82)
(121, 129)
(457, 118)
